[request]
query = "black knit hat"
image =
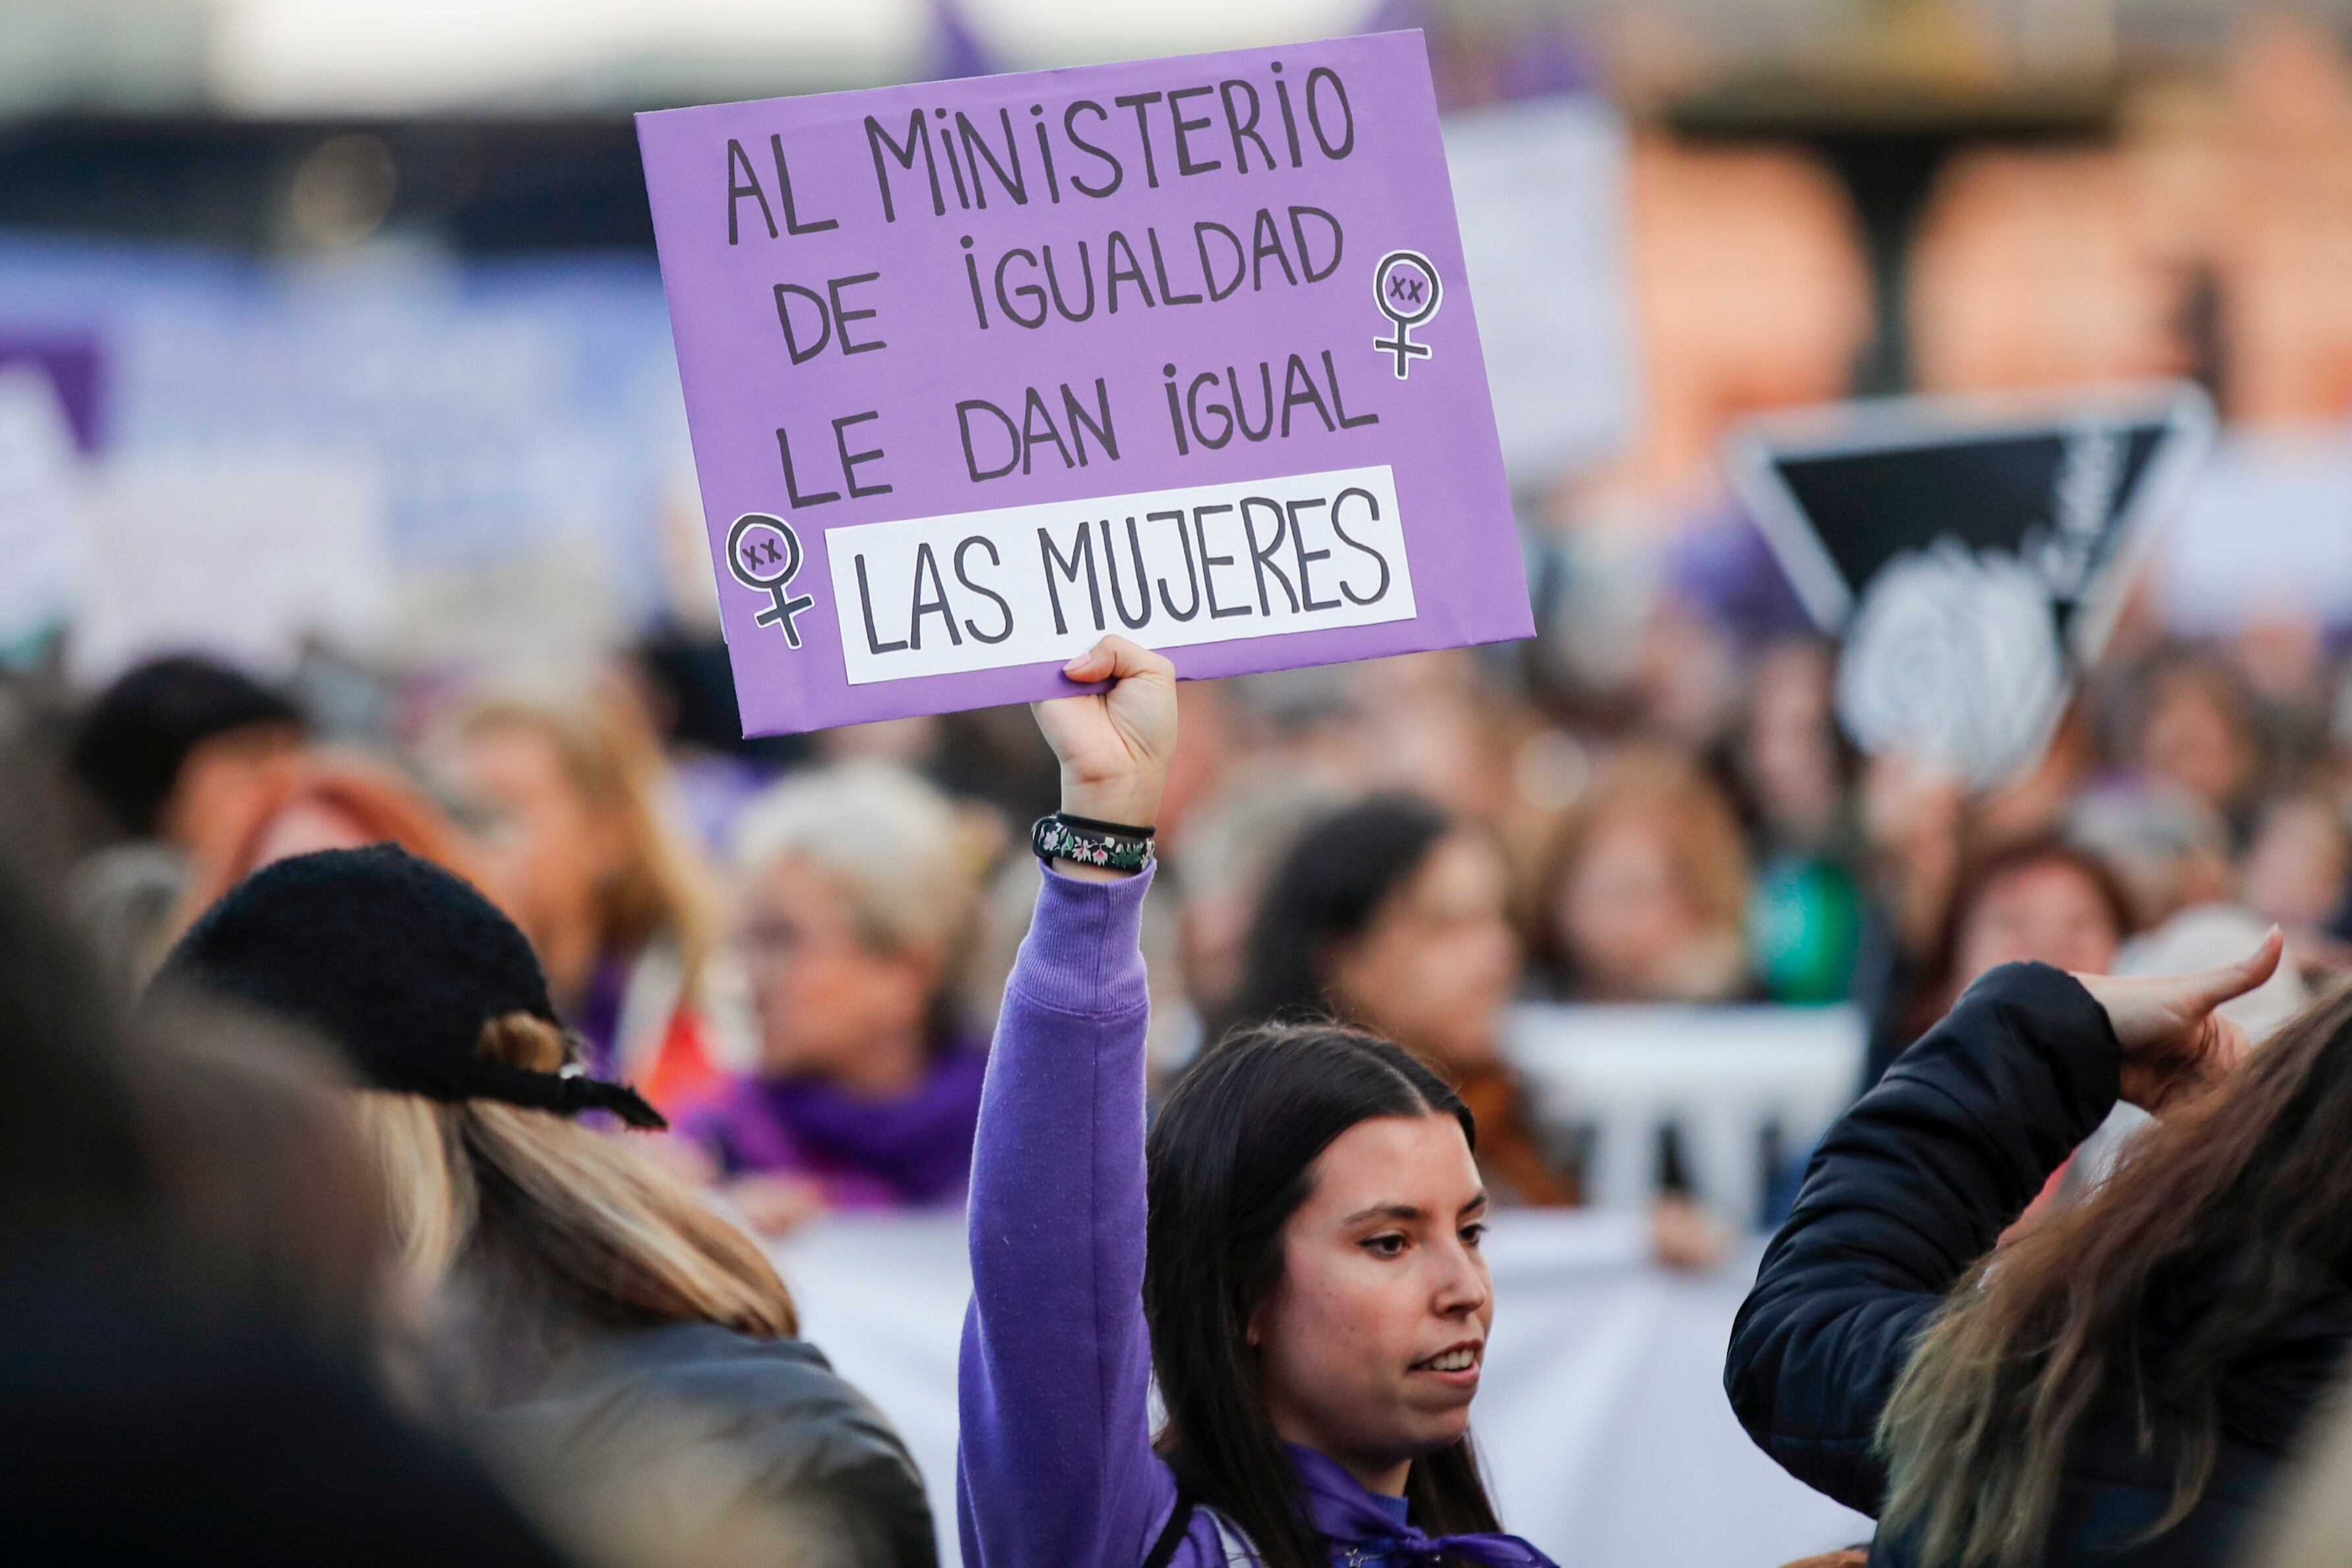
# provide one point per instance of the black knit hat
(400, 963)
(143, 728)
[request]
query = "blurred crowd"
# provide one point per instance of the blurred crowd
(794, 946)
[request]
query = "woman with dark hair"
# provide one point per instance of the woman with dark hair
(2118, 1382)
(2045, 900)
(1295, 1255)
(1393, 917)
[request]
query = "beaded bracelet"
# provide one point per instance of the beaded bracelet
(1111, 845)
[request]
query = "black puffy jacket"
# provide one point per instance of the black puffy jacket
(1911, 1186)
(693, 1444)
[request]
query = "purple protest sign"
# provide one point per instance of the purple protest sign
(978, 371)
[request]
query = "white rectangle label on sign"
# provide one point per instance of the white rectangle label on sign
(1201, 564)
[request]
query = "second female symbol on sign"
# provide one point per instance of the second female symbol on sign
(1406, 288)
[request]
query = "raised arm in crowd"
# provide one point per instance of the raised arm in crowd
(1296, 1254)
(2117, 1381)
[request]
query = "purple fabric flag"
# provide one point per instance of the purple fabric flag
(73, 365)
(979, 371)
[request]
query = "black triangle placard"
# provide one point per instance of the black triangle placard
(1971, 558)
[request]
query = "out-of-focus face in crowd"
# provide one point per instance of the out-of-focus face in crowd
(227, 782)
(2195, 732)
(326, 802)
(1645, 899)
(2297, 866)
(831, 1002)
(1622, 907)
(548, 851)
(857, 885)
(2049, 910)
(1440, 961)
(1791, 755)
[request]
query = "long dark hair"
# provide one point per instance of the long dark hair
(1229, 1162)
(2222, 1222)
(1329, 889)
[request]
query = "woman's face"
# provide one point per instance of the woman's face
(1622, 912)
(2295, 868)
(1792, 747)
(548, 851)
(2192, 737)
(1371, 1345)
(826, 997)
(225, 782)
(2049, 912)
(303, 826)
(1440, 961)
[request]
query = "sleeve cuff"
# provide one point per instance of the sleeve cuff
(2049, 1010)
(1084, 953)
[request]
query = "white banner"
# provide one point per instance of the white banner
(248, 554)
(1206, 563)
(1602, 1422)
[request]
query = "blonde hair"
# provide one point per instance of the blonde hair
(907, 861)
(538, 1212)
(607, 749)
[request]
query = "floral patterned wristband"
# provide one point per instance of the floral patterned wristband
(1079, 839)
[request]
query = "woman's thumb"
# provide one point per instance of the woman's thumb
(2209, 989)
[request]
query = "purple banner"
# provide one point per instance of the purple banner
(72, 365)
(978, 371)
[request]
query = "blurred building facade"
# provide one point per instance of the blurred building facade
(1824, 198)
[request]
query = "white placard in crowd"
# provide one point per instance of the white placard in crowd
(40, 471)
(2265, 530)
(244, 555)
(1540, 191)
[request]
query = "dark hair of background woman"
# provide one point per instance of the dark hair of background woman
(1940, 980)
(2226, 1220)
(1228, 1162)
(1329, 889)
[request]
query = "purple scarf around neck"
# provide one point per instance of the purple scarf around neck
(1352, 1519)
(910, 1151)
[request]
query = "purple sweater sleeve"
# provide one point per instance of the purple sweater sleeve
(1054, 1462)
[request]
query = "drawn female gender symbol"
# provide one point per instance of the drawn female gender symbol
(752, 551)
(1405, 286)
